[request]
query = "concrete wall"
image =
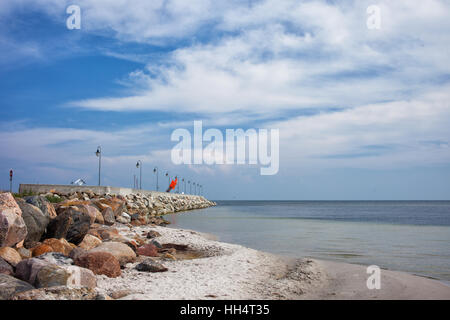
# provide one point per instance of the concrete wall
(44, 188)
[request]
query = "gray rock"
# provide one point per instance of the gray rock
(6, 268)
(56, 258)
(149, 265)
(43, 204)
(35, 220)
(157, 244)
(9, 286)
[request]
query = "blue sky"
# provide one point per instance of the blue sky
(362, 114)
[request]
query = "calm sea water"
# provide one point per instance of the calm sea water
(412, 236)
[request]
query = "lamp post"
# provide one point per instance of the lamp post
(190, 187)
(184, 183)
(155, 170)
(195, 188)
(98, 153)
(139, 165)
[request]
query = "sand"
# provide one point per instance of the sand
(229, 271)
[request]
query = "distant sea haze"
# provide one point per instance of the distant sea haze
(412, 236)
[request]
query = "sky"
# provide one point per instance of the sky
(362, 113)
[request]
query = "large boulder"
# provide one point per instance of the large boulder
(119, 250)
(13, 229)
(70, 224)
(10, 255)
(80, 277)
(6, 268)
(35, 220)
(43, 204)
(99, 263)
(9, 286)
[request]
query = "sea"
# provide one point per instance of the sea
(411, 236)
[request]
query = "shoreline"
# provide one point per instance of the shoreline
(230, 271)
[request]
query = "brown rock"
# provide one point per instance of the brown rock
(75, 253)
(121, 251)
(10, 255)
(99, 263)
(41, 249)
(148, 250)
(117, 204)
(59, 245)
(90, 242)
(153, 234)
(12, 227)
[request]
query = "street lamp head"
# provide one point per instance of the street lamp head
(154, 170)
(99, 151)
(167, 174)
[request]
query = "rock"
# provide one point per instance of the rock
(168, 256)
(120, 293)
(153, 234)
(70, 224)
(119, 250)
(9, 286)
(12, 227)
(157, 244)
(56, 258)
(149, 265)
(27, 269)
(108, 216)
(135, 216)
(148, 250)
(90, 242)
(41, 249)
(7, 202)
(117, 205)
(126, 216)
(43, 204)
(122, 220)
(51, 275)
(57, 293)
(80, 277)
(59, 245)
(35, 220)
(76, 253)
(24, 253)
(6, 268)
(100, 263)
(10, 255)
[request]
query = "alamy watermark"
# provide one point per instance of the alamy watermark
(374, 280)
(74, 20)
(239, 147)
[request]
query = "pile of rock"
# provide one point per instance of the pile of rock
(56, 250)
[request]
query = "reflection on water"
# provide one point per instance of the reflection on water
(352, 232)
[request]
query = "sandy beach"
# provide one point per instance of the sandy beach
(210, 269)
